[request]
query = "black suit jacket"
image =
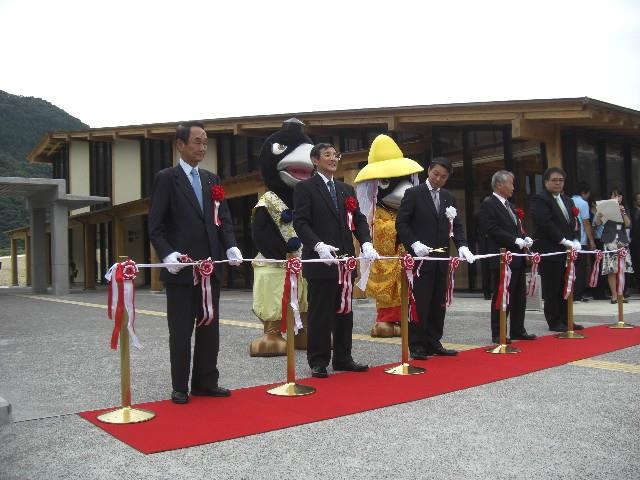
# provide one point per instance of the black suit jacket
(178, 224)
(550, 224)
(316, 219)
(418, 220)
(500, 230)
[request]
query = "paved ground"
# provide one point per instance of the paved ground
(575, 421)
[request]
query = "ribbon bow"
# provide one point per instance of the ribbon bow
(595, 270)
(345, 279)
(290, 294)
(502, 300)
(120, 279)
(454, 263)
(570, 274)
(408, 263)
(533, 279)
(622, 253)
(202, 272)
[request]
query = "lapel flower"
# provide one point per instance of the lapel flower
(520, 213)
(575, 212)
(350, 205)
(217, 196)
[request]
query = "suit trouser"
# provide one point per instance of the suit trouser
(430, 290)
(555, 307)
(183, 304)
(323, 299)
(582, 264)
(517, 301)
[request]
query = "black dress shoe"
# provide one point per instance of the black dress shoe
(211, 392)
(558, 328)
(351, 366)
(496, 340)
(577, 326)
(179, 397)
(524, 336)
(319, 372)
(445, 352)
(418, 355)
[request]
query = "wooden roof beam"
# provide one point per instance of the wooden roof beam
(522, 128)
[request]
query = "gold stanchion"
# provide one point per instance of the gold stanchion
(569, 333)
(125, 414)
(291, 388)
(503, 347)
(405, 368)
(620, 323)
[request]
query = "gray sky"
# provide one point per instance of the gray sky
(120, 62)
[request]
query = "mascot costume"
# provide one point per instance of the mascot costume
(284, 161)
(380, 186)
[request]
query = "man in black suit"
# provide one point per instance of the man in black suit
(320, 220)
(422, 226)
(181, 222)
(504, 230)
(557, 229)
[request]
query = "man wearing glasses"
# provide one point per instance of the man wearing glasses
(321, 222)
(557, 229)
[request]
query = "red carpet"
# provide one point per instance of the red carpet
(251, 410)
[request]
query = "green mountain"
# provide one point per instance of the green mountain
(23, 122)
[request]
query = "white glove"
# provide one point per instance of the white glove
(326, 252)
(521, 243)
(234, 255)
(173, 258)
(368, 252)
(420, 249)
(566, 243)
(577, 245)
(528, 242)
(465, 253)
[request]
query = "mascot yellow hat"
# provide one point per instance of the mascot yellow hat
(386, 160)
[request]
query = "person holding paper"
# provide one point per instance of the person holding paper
(614, 236)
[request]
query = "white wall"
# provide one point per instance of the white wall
(79, 171)
(126, 171)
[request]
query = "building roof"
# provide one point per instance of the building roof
(542, 116)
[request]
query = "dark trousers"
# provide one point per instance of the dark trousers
(582, 273)
(555, 307)
(323, 297)
(517, 301)
(430, 290)
(183, 304)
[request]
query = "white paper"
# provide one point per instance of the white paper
(610, 210)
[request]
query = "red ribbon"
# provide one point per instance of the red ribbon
(345, 270)
(502, 300)
(622, 253)
(533, 278)
(595, 270)
(202, 272)
(570, 274)
(293, 268)
(350, 205)
(217, 195)
(120, 279)
(408, 263)
(454, 263)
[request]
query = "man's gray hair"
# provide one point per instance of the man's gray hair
(500, 177)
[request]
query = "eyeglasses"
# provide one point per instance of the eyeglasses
(330, 155)
(557, 180)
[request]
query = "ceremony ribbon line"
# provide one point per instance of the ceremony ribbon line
(290, 294)
(345, 270)
(533, 278)
(570, 274)
(595, 269)
(202, 272)
(408, 263)
(622, 253)
(120, 284)
(454, 263)
(502, 300)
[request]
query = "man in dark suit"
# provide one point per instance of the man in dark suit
(320, 220)
(504, 230)
(557, 229)
(181, 222)
(422, 226)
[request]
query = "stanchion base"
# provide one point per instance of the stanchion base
(405, 369)
(503, 348)
(291, 390)
(621, 325)
(569, 334)
(126, 415)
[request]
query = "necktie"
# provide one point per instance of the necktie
(511, 214)
(563, 209)
(436, 199)
(197, 186)
(332, 191)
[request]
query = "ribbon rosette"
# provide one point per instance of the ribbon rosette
(451, 213)
(454, 263)
(345, 278)
(622, 253)
(595, 269)
(408, 263)
(290, 294)
(535, 263)
(502, 300)
(350, 205)
(576, 213)
(120, 278)
(570, 274)
(202, 272)
(217, 196)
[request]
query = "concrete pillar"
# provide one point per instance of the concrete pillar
(27, 258)
(89, 256)
(38, 250)
(59, 249)
(14, 262)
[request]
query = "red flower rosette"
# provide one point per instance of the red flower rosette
(217, 196)
(575, 211)
(519, 213)
(408, 262)
(205, 267)
(350, 205)
(129, 269)
(351, 264)
(202, 272)
(121, 287)
(293, 267)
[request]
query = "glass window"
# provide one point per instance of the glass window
(528, 167)
(615, 168)
(635, 169)
(587, 166)
(224, 144)
(240, 155)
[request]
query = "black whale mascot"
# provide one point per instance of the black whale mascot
(284, 161)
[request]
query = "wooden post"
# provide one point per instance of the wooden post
(156, 284)
(89, 231)
(27, 257)
(14, 261)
